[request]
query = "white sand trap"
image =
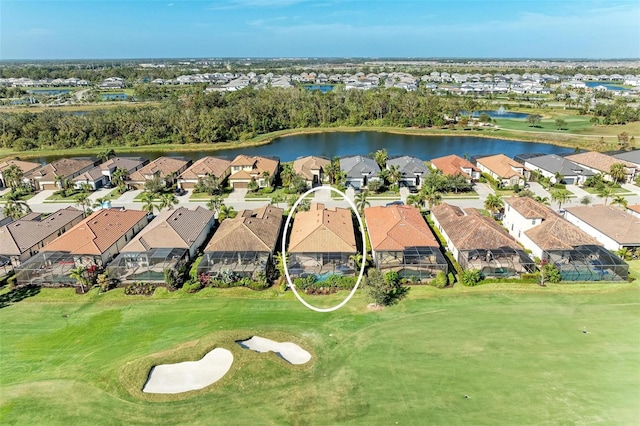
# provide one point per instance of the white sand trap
(287, 350)
(189, 375)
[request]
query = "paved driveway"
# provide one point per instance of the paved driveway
(128, 196)
(237, 195)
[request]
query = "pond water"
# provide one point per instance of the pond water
(500, 113)
(324, 88)
(48, 92)
(340, 144)
(607, 84)
(114, 96)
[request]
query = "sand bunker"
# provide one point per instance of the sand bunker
(288, 351)
(190, 375)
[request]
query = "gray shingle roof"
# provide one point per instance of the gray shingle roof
(409, 166)
(630, 156)
(358, 165)
(554, 163)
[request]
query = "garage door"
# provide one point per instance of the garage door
(240, 184)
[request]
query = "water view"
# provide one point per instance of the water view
(500, 113)
(608, 85)
(114, 96)
(352, 143)
(324, 88)
(48, 92)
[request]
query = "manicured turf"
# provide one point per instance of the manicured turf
(517, 351)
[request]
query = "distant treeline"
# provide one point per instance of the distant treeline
(199, 117)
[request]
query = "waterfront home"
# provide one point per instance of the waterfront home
(479, 242)
(401, 241)
(24, 166)
(598, 162)
(166, 168)
(25, 237)
(322, 242)
(245, 168)
(47, 177)
(170, 241)
(90, 244)
(243, 246)
(413, 170)
(612, 226)
(207, 166)
(551, 165)
(632, 157)
(504, 170)
(452, 165)
(311, 169)
(130, 164)
(550, 237)
(359, 170)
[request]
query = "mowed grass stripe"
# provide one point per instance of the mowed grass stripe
(520, 356)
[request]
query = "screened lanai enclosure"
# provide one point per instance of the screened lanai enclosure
(53, 268)
(241, 263)
(146, 266)
(321, 264)
(499, 262)
(417, 263)
(588, 263)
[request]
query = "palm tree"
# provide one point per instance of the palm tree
(617, 172)
(80, 275)
(560, 196)
(277, 199)
(63, 182)
(493, 203)
(394, 175)
(105, 155)
(267, 178)
(361, 200)
(148, 198)
(416, 200)
(542, 200)
(15, 209)
(214, 204)
(12, 176)
(226, 212)
(558, 177)
(620, 200)
(168, 201)
(119, 176)
(83, 200)
(605, 192)
(99, 202)
(381, 156)
(86, 187)
(286, 174)
(432, 196)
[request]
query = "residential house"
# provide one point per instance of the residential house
(504, 170)
(401, 241)
(23, 238)
(598, 162)
(452, 165)
(246, 168)
(207, 166)
(25, 166)
(359, 170)
(479, 242)
(44, 178)
(550, 237)
(632, 157)
(413, 170)
(612, 226)
(170, 241)
(130, 164)
(322, 242)
(92, 178)
(91, 243)
(244, 245)
(167, 168)
(311, 169)
(551, 165)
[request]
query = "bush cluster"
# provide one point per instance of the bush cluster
(139, 289)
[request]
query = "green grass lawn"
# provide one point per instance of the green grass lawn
(56, 198)
(619, 191)
(516, 350)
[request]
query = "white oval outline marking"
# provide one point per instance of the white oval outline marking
(284, 244)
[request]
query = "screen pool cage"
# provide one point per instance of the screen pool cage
(240, 263)
(501, 262)
(53, 268)
(321, 264)
(587, 263)
(147, 266)
(417, 263)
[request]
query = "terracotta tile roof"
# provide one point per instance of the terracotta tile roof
(206, 166)
(530, 208)
(97, 233)
(64, 167)
(177, 228)
(22, 234)
(25, 166)
(397, 227)
(468, 229)
(322, 230)
(256, 230)
(452, 165)
(557, 233)
(241, 175)
(635, 208)
(501, 165)
(258, 164)
(303, 166)
(598, 161)
(612, 221)
(164, 166)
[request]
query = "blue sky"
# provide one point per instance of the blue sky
(63, 29)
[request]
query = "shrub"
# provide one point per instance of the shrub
(384, 290)
(440, 280)
(451, 278)
(192, 286)
(139, 289)
(470, 277)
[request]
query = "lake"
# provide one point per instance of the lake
(340, 144)
(608, 85)
(48, 92)
(324, 88)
